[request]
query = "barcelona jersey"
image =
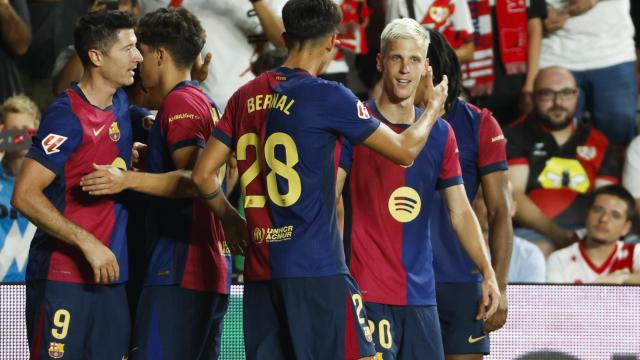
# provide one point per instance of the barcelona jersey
(387, 208)
(283, 127)
(74, 135)
(185, 238)
(482, 151)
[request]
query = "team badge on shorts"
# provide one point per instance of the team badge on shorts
(56, 350)
(114, 131)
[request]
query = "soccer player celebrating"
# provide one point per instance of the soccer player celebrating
(483, 161)
(299, 300)
(387, 209)
(76, 302)
(187, 268)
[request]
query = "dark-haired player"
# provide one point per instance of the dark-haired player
(299, 300)
(483, 161)
(388, 207)
(186, 286)
(76, 302)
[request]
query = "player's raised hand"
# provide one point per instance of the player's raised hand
(105, 180)
(200, 68)
(490, 298)
(102, 261)
(435, 96)
(499, 318)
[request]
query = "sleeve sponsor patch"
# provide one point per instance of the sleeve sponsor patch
(363, 113)
(52, 142)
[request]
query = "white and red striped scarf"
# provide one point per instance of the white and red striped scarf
(477, 75)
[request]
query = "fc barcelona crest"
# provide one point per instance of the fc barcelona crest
(587, 152)
(56, 350)
(114, 131)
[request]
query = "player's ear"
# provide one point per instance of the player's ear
(161, 55)
(95, 56)
(379, 62)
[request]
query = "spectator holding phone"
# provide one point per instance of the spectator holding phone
(19, 117)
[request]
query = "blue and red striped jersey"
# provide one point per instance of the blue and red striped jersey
(482, 151)
(185, 239)
(284, 126)
(387, 207)
(74, 135)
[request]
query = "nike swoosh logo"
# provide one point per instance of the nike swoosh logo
(473, 340)
(97, 132)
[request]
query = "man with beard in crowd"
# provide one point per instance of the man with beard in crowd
(555, 161)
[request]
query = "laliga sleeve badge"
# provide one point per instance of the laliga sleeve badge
(114, 132)
(52, 142)
(363, 113)
(56, 350)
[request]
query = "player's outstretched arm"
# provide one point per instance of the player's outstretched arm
(109, 180)
(403, 148)
(29, 199)
(205, 176)
(467, 228)
(496, 197)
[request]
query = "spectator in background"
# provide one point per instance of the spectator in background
(631, 173)
(501, 79)
(19, 117)
(599, 255)
(237, 30)
(449, 17)
(594, 39)
(15, 28)
(555, 162)
(527, 260)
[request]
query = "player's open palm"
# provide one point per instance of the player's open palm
(490, 298)
(103, 262)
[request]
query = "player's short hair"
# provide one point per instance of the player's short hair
(444, 61)
(20, 104)
(176, 30)
(308, 20)
(99, 30)
(405, 29)
(619, 192)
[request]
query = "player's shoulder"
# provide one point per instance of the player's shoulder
(60, 109)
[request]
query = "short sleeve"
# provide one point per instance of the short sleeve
(185, 121)
(224, 129)
(346, 156)
(492, 153)
(59, 135)
(517, 152)
(450, 171)
(345, 115)
(536, 9)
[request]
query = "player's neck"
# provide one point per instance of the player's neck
(170, 79)
(598, 251)
(396, 111)
(98, 90)
(310, 59)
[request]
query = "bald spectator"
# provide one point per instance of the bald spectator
(555, 162)
(15, 29)
(594, 39)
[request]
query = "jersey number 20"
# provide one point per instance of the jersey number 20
(278, 168)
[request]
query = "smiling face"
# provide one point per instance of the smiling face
(122, 58)
(402, 64)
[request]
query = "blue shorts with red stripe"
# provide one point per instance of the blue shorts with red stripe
(177, 323)
(458, 306)
(305, 318)
(77, 321)
(405, 332)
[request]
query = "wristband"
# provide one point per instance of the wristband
(211, 195)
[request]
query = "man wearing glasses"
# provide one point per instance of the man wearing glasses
(555, 161)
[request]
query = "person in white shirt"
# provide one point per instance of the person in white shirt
(599, 256)
(631, 173)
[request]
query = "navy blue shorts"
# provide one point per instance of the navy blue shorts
(305, 318)
(77, 321)
(458, 306)
(177, 323)
(405, 332)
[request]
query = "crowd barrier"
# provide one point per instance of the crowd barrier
(546, 322)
